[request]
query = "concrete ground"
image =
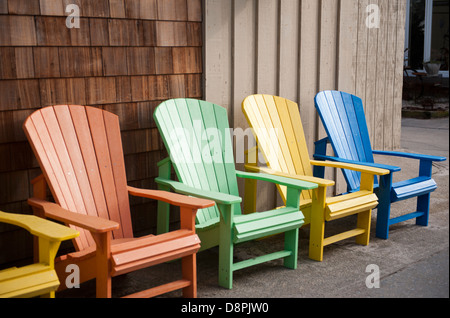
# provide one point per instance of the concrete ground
(412, 263)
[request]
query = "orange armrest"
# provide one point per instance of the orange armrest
(91, 223)
(172, 198)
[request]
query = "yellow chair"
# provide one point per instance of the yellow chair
(37, 279)
(279, 133)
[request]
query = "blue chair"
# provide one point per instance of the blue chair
(342, 115)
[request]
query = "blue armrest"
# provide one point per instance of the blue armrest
(409, 155)
(376, 165)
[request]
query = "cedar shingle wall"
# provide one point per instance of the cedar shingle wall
(126, 57)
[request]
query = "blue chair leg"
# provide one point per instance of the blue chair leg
(384, 206)
(423, 201)
(423, 205)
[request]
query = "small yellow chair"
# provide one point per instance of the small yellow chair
(37, 279)
(279, 133)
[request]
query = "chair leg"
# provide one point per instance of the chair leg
(226, 247)
(225, 265)
(317, 226)
(363, 222)
(423, 205)
(103, 275)
(316, 238)
(384, 206)
(291, 244)
(189, 270)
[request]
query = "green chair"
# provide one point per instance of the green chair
(197, 137)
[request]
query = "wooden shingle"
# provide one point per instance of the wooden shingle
(163, 60)
(62, 91)
(99, 32)
(172, 10)
(194, 9)
(52, 31)
(141, 9)
(171, 33)
(21, 30)
(141, 60)
(23, 7)
(149, 33)
(3, 6)
(117, 8)
(7, 66)
(19, 94)
(16, 62)
(125, 32)
(114, 61)
(24, 62)
(52, 7)
(187, 60)
(80, 61)
(46, 62)
(100, 90)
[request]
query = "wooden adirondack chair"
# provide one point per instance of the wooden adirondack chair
(80, 153)
(38, 279)
(278, 129)
(342, 115)
(197, 137)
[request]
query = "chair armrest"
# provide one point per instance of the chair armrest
(90, 223)
(367, 164)
(277, 179)
(319, 181)
(172, 198)
(409, 155)
(40, 227)
(218, 197)
(349, 166)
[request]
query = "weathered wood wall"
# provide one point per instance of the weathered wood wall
(296, 48)
(126, 57)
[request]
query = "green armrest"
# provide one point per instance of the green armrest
(218, 197)
(289, 182)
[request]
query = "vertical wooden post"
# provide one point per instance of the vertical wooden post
(189, 263)
(316, 238)
(164, 168)
(384, 206)
(251, 157)
(365, 218)
(226, 247)
(103, 275)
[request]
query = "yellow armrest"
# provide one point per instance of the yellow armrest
(39, 227)
(319, 181)
(341, 165)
